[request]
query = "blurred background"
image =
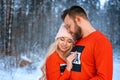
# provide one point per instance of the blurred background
(28, 27)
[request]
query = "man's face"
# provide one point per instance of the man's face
(73, 28)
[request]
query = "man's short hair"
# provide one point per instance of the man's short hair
(73, 11)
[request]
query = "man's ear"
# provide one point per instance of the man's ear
(78, 19)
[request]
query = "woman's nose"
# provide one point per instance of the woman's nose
(65, 42)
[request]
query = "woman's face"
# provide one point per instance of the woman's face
(64, 44)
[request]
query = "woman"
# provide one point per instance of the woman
(58, 62)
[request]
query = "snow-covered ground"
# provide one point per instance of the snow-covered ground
(33, 72)
(116, 72)
(26, 73)
(116, 68)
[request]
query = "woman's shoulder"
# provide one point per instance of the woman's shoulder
(53, 56)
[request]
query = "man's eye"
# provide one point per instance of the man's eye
(67, 26)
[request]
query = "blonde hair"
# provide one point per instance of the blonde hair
(52, 48)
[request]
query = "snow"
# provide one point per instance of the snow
(21, 73)
(116, 72)
(25, 58)
(33, 72)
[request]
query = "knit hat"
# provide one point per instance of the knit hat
(62, 32)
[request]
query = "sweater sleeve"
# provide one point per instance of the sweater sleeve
(53, 70)
(103, 60)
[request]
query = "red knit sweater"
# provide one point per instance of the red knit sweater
(94, 60)
(53, 70)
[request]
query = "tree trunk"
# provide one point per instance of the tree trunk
(8, 28)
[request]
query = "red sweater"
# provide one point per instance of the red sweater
(53, 70)
(94, 60)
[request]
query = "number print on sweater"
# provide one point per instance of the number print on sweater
(76, 61)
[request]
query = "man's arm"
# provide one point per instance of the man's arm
(103, 60)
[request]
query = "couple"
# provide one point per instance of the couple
(80, 52)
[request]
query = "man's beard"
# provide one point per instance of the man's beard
(78, 33)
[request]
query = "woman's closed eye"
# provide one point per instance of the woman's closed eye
(69, 41)
(62, 39)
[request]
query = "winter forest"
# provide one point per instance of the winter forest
(28, 27)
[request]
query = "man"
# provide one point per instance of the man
(93, 47)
